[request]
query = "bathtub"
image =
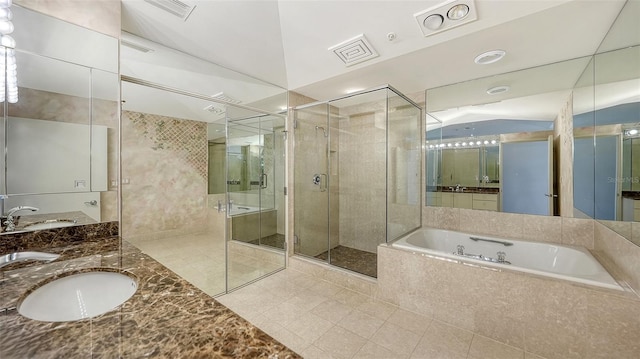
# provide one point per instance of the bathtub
(239, 209)
(575, 264)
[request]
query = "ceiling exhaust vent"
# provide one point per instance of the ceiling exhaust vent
(354, 50)
(135, 46)
(222, 97)
(214, 109)
(174, 7)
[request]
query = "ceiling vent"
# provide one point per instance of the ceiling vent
(214, 109)
(135, 46)
(222, 97)
(174, 7)
(354, 50)
(446, 16)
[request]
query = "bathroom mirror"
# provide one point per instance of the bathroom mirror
(60, 137)
(490, 140)
(609, 122)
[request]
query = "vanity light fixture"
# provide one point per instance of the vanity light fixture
(493, 142)
(446, 16)
(489, 57)
(8, 66)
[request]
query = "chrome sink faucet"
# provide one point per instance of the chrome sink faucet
(8, 219)
(10, 258)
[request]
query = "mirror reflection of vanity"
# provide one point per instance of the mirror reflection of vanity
(606, 124)
(61, 136)
(490, 140)
(594, 99)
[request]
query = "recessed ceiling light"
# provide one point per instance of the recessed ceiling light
(489, 57)
(498, 90)
(458, 12)
(433, 22)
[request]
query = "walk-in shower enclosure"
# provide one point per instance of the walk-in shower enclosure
(357, 176)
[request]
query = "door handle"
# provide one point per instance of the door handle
(551, 195)
(264, 180)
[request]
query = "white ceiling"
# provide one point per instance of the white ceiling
(286, 42)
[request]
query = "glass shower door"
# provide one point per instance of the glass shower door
(311, 197)
(255, 245)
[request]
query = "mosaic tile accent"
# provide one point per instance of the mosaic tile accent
(186, 138)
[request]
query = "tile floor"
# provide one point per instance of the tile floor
(199, 258)
(353, 259)
(318, 319)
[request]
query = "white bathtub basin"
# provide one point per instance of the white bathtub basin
(78, 296)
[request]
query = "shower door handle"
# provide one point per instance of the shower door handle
(264, 180)
(320, 179)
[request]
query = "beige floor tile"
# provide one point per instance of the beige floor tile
(361, 323)
(340, 343)
(372, 350)
(307, 300)
(482, 347)
(411, 321)
(532, 356)
(313, 352)
(309, 326)
(332, 310)
(284, 313)
(324, 288)
(350, 297)
(445, 339)
(377, 309)
(396, 338)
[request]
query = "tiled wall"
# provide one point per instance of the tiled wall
(553, 229)
(362, 171)
(164, 161)
(551, 318)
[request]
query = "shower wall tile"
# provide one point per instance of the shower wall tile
(164, 161)
(362, 176)
(102, 16)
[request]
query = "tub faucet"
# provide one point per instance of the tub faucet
(8, 219)
(460, 250)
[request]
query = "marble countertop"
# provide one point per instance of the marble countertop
(166, 318)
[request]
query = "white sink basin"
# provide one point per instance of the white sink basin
(48, 224)
(78, 296)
